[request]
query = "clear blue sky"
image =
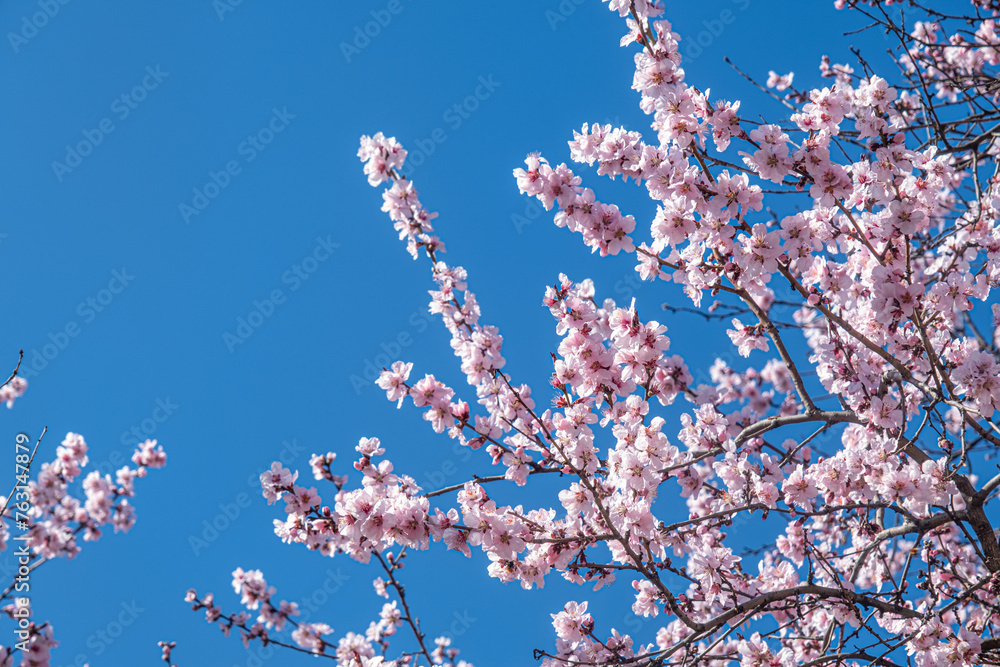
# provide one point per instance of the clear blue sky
(206, 84)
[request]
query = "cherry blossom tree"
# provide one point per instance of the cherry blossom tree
(859, 431)
(42, 520)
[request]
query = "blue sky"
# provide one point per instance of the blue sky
(266, 104)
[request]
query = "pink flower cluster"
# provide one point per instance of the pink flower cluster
(57, 517)
(54, 519)
(13, 390)
(268, 619)
(876, 282)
